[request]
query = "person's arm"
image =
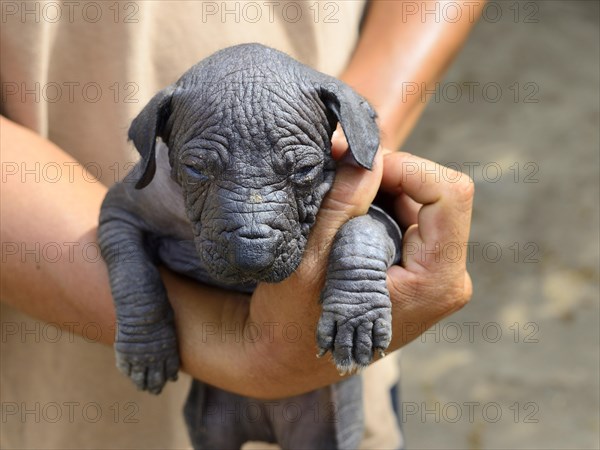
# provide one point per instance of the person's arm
(404, 49)
(51, 269)
(217, 330)
(50, 264)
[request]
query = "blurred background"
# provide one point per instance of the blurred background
(519, 111)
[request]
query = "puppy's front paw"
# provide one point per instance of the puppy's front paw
(354, 324)
(148, 357)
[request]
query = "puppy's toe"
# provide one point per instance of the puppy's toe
(172, 367)
(382, 334)
(326, 331)
(138, 376)
(363, 344)
(342, 351)
(156, 379)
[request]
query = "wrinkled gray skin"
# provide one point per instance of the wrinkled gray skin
(228, 196)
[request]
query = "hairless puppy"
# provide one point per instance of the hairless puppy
(228, 196)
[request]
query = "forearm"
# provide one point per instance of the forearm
(404, 48)
(51, 269)
(50, 264)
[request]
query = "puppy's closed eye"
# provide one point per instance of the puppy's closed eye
(202, 167)
(196, 173)
(306, 172)
(304, 165)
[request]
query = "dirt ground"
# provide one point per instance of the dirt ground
(519, 366)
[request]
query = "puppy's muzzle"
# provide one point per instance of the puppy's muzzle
(254, 249)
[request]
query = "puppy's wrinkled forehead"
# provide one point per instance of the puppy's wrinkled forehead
(250, 115)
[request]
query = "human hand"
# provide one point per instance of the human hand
(429, 285)
(433, 204)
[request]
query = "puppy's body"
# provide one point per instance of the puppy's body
(229, 200)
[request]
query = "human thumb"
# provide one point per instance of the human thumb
(353, 191)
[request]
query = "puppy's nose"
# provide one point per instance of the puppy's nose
(254, 248)
(256, 232)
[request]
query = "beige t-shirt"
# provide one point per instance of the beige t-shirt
(78, 73)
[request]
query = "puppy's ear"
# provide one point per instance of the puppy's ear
(144, 130)
(357, 118)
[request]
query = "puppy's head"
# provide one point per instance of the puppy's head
(250, 145)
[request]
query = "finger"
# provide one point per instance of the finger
(424, 181)
(339, 144)
(446, 196)
(467, 287)
(406, 210)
